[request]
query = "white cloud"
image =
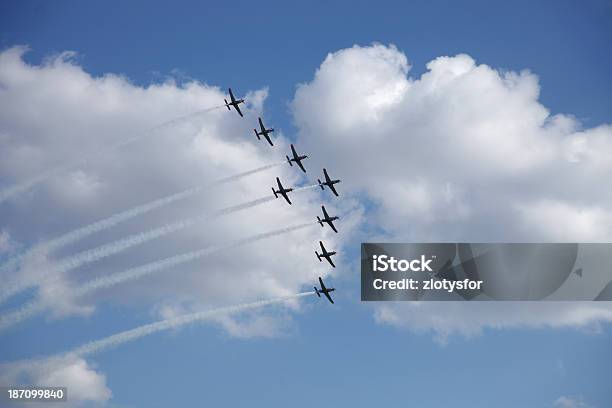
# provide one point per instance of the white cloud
(570, 402)
(6, 244)
(462, 153)
(255, 325)
(56, 112)
(469, 319)
(557, 220)
(457, 153)
(82, 381)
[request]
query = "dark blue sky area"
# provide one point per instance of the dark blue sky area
(279, 44)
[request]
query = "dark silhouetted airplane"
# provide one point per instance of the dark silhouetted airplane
(281, 190)
(264, 132)
(296, 158)
(324, 290)
(325, 254)
(329, 220)
(329, 183)
(233, 102)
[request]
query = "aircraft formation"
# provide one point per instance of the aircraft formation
(284, 192)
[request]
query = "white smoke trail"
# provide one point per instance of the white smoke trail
(147, 269)
(37, 306)
(25, 312)
(115, 247)
(126, 336)
(180, 321)
(103, 251)
(19, 188)
(248, 173)
(298, 189)
(101, 225)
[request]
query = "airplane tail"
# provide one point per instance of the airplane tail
(318, 256)
(256, 134)
(320, 222)
(320, 184)
(274, 191)
(227, 105)
(289, 161)
(317, 291)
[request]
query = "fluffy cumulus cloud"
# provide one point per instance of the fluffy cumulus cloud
(59, 121)
(469, 318)
(56, 112)
(465, 152)
(84, 384)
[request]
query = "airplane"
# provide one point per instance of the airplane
(233, 103)
(325, 254)
(329, 183)
(264, 132)
(282, 191)
(297, 159)
(324, 290)
(329, 220)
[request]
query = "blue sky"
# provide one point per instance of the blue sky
(330, 355)
(279, 44)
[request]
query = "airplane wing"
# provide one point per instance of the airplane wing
(328, 297)
(332, 188)
(300, 165)
(328, 257)
(280, 186)
(285, 196)
(322, 284)
(267, 136)
(322, 247)
(324, 212)
(295, 155)
(261, 126)
(238, 110)
(327, 179)
(331, 224)
(232, 95)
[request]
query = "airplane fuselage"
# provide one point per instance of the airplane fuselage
(325, 254)
(328, 183)
(324, 291)
(283, 192)
(234, 103)
(297, 159)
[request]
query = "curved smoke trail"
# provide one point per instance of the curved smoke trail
(115, 247)
(104, 282)
(24, 186)
(126, 336)
(180, 321)
(101, 225)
